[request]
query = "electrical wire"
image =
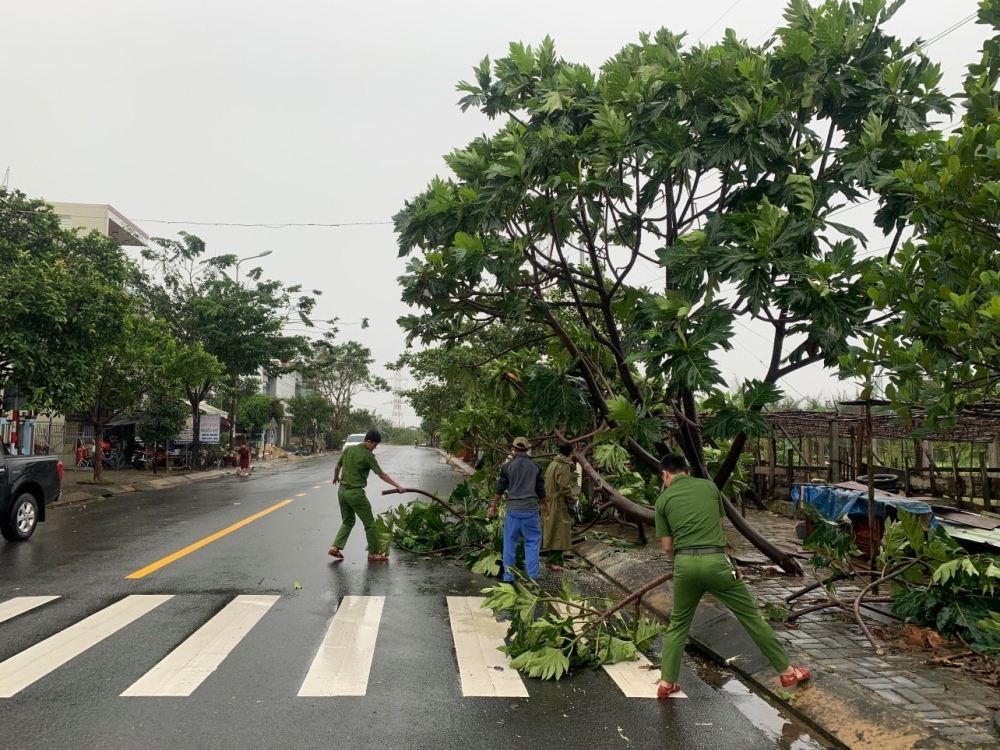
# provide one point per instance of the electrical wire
(268, 226)
(717, 20)
(950, 29)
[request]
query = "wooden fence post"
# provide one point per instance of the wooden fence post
(985, 476)
(954, 475)
(834, 453)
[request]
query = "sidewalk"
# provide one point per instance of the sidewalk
(144, 481)
(856, 697)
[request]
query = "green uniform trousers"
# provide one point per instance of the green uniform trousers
(354, 504)
(695, 575)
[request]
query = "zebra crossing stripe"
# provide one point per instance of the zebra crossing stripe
(344, 660)
(636, 679)
(190, 664)
(21, 604)
(485, 672)
(25, 668)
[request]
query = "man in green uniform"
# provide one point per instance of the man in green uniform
(689, 513)
(560, 491)
(352, 474)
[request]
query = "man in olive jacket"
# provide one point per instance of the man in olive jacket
(560, 490)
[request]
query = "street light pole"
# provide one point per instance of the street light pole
(232, 401)
(252, 257)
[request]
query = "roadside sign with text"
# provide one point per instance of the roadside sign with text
(211, 428)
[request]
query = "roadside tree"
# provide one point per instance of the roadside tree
(160, 416)
(939, 343)
(722, 168)
(242, 324)
(63, 297)
(257, 411)
(340, 372)
(311, 414)
(130, 365)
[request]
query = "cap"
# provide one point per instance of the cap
(522, 442)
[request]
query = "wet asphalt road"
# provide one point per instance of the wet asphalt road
(414, 697)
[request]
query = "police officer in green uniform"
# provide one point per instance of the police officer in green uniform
(352, 474)
(688, 521)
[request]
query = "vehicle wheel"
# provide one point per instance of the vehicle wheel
(21, 520)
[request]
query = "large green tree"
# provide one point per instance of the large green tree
(63, 296)
(938, 346)
(340, 372)
(130, 365)
(723, 166)
(243, 325)
(312, 413)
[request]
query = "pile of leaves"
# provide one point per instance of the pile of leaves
(550, 635)
(942, 586)
(431, 527)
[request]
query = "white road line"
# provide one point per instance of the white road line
(636, 679)
(33, 663)
(190, 664)
(485, 672)
(21, 604)
(344, 660)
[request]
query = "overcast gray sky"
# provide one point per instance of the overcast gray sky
(318, 112)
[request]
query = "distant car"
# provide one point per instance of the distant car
(354, 439)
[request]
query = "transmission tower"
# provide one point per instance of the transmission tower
(397, 400)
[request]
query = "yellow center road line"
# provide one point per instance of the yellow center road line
(301, 494)
(206, 541)
(317, 487)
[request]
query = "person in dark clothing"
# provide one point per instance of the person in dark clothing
(244, 460)
(522, 480)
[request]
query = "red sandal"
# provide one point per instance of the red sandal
(336, 553)
(665, 691)
(378, 557)
(798, 675)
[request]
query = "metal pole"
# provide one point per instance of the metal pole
(873, 544)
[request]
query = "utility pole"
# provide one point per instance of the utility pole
(397, 400)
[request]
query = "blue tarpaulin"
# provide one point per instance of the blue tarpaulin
(833, 502)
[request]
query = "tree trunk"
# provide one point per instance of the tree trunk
(98, 452)
(232, 423)
(195, 428)
(778, 556)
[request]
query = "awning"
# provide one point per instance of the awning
(209, 409)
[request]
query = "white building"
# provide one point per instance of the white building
(284, 386)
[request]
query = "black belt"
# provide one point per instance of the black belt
(701, 551)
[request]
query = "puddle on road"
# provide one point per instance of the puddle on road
(777, 724)
(784, 729)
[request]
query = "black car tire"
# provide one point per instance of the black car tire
(20, 522)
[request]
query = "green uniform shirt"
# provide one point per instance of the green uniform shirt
(355, 463)
(689, 511)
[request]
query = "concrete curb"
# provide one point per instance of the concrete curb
(457, 463)
(149, 483)
(838, 709)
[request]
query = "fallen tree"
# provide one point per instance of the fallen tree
(723, 166)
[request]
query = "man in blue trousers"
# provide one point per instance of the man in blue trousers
(522, 480)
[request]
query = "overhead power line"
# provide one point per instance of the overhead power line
(950, 29)
(719, 19)
(269, 226)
